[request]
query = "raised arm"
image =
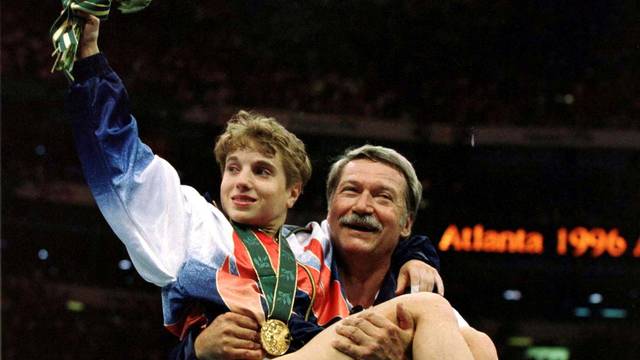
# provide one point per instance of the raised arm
(88, 45)
(160, 221)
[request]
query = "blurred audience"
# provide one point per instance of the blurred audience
(491, 64)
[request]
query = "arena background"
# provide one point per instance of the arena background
(522, 118)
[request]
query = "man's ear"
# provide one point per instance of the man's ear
(406, 229)
(294, 192)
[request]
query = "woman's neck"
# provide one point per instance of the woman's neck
(269, 230)
(272, 232)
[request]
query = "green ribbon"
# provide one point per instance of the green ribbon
(131, 6)
(66, 31)
(279, 289)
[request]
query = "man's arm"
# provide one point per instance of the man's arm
(371, 336)
(416, 262)
(417, 247)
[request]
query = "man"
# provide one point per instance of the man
(379, 188)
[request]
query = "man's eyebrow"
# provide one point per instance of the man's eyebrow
(377, 186)
(349, 182)
(390, 189)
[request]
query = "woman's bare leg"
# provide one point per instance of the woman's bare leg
(479, 343)
(436, 336)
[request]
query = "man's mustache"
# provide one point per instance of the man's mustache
(365, 221)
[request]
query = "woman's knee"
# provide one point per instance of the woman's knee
(428, 304)
(426, 299)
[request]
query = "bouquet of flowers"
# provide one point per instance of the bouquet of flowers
(67, 29)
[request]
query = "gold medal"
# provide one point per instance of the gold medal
(275, 337)
(278, 287)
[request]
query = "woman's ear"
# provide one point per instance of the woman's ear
(294, 192)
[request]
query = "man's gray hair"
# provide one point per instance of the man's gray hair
(413, 193)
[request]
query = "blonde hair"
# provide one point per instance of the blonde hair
(247, 130)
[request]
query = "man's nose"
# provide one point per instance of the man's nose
(363, 204)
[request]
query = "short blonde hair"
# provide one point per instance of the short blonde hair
(247, 130)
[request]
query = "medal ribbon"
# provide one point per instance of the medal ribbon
(279, 289)
(66, 31)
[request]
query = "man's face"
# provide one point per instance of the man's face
(367, 209)
(253, 189)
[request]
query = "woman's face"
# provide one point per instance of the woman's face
(253, 189)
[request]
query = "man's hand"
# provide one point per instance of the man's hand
(88, 44)
(370, 336)
(421, 276)
(229, 336)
